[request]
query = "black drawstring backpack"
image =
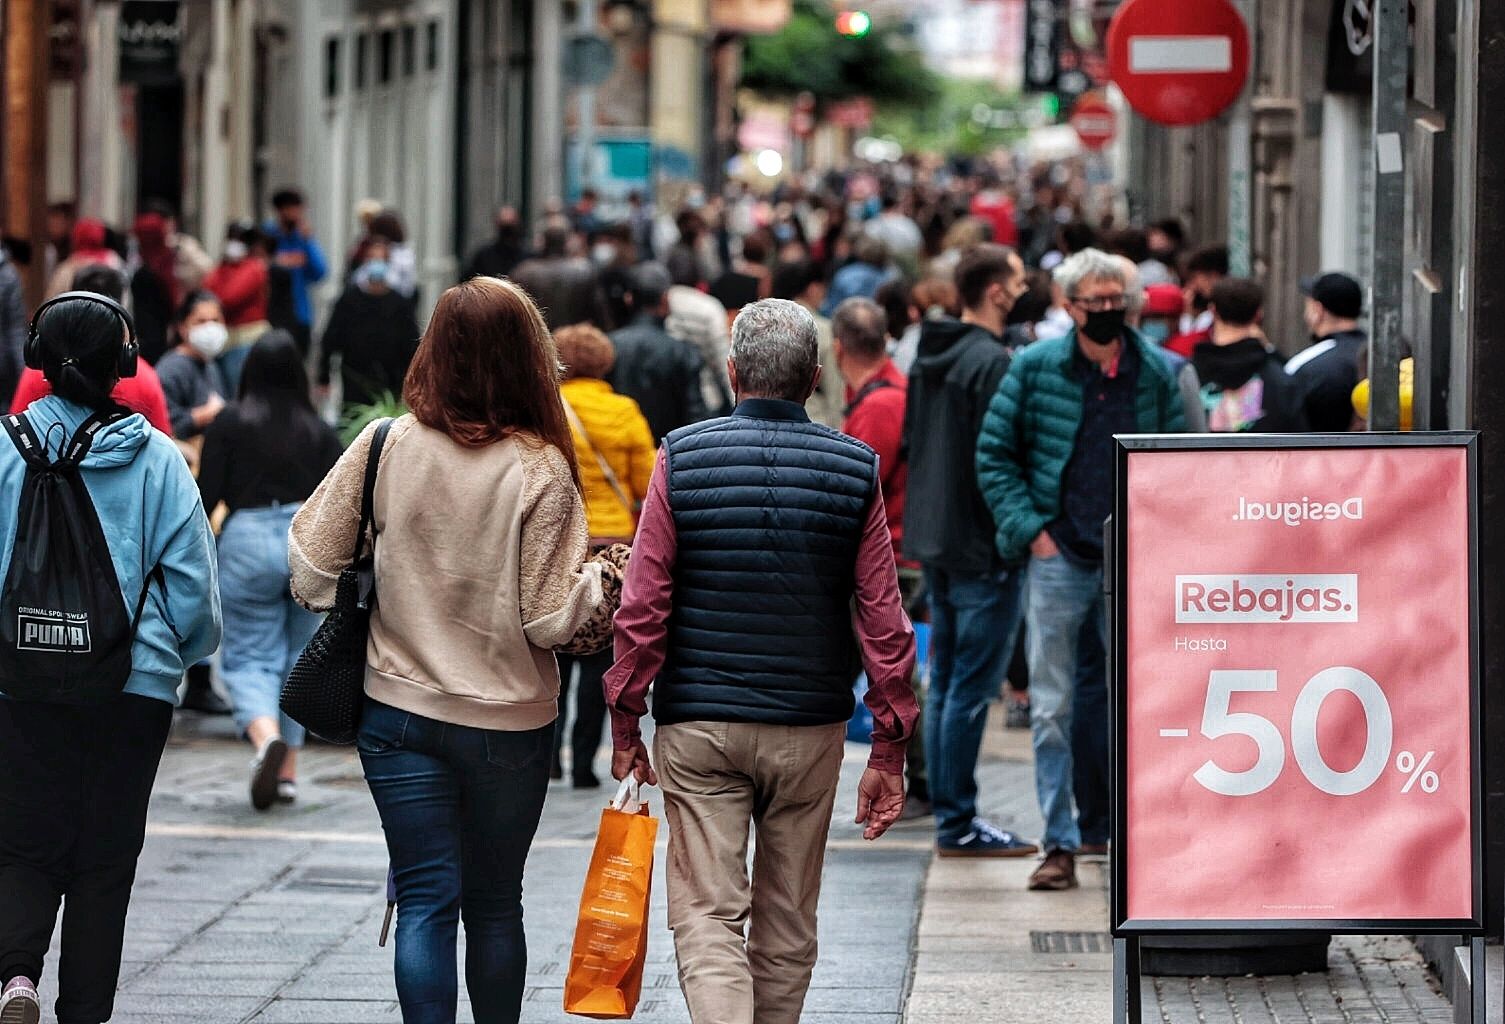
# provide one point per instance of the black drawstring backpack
(65, 633)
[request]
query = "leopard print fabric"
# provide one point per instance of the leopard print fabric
(595, 634)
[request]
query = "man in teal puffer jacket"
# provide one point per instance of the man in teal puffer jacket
(1045, 465)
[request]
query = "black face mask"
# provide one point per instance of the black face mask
(1105, 326)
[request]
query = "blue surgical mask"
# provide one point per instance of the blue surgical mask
(375, 271)
(1159, 332)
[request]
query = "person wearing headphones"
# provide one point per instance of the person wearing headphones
(75, 778)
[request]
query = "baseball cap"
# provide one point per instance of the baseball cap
(1337, 293)
(1163, 300)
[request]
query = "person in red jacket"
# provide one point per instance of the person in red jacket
(141, 393)
(876, 393)
(242, 284)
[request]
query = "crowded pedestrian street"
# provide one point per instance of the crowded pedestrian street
(752, 511)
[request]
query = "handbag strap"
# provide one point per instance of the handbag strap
(611, 478)
(368, 488)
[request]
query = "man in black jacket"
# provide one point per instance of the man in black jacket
(1326, 374)
(975, 600)
(653, 368)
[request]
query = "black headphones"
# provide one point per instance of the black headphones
(130, 352)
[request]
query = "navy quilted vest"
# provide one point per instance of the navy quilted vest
(768, 511)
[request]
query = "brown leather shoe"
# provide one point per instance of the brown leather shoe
(1056, 873)
(1093, 850)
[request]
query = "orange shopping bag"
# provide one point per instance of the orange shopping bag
(611, 940)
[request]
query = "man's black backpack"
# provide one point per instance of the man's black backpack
(65, 632)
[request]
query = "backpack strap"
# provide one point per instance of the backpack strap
(27, 443)
(155, 576)
(368, 488)
(83, 438)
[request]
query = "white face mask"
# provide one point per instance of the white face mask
(235, 251)
(603, 253)
(208, 339)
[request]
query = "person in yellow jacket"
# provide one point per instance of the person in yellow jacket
(616, 454)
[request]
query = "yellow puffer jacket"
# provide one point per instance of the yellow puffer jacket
(620, 434)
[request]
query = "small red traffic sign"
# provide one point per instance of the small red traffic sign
(1179, 64)
(1095, 121)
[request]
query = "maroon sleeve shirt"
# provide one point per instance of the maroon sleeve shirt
(884, 634)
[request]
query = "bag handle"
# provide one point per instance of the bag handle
(368, 487)
(606, 471)
(629, 794)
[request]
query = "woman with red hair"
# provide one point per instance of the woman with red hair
(483, 569)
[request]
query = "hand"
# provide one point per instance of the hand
(206, 413)
(292, 260)
(880, 801)
(633, 760)
(1043, 547)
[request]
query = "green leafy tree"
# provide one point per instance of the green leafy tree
(969, 117)
(809, 55)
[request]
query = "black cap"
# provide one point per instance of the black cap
(1337, 293)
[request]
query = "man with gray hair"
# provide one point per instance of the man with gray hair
(1045, 465)
(760, 533)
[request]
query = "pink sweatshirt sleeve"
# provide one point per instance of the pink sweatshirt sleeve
(642, 622)
(887, 642)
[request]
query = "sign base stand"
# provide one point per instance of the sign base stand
(1128, 998)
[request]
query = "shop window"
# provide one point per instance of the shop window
(332, 67)
(362, 54)
(409, 51)
(386, 56)
(433, 46)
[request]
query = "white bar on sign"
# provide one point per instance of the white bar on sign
(1184, 54)
(1175, 734)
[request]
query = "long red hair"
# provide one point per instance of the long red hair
(487, 369)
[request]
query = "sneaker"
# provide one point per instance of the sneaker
(1056, 873)
(19, 1003)
(586, 782)
(264, 772)
(985, 840)
(287, 792)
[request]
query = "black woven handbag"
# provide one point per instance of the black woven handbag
(325, 691)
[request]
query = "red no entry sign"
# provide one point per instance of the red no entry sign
(1179, 63)
(1095, 122)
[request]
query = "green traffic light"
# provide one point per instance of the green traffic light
(859, 23)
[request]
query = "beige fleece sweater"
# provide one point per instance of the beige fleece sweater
(482, 568)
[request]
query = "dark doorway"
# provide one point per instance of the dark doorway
(159, 143)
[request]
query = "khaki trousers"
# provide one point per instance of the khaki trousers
(746, 947)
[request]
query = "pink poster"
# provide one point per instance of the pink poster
(1298, 698)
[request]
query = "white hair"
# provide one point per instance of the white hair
(1133, 290)
(1088, 265)
(775, 350)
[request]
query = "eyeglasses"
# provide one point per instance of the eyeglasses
(1101, 303)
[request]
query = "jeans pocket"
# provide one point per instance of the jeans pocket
(515, 750)
(383, 728)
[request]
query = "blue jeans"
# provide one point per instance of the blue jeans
(974, 621)
(1063, 598)
(460, 807)
(1089, 738)
(265, 629)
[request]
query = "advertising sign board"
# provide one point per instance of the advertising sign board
(1295, 643)
(1297, 686)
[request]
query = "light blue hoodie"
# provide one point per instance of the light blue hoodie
(148, 505)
